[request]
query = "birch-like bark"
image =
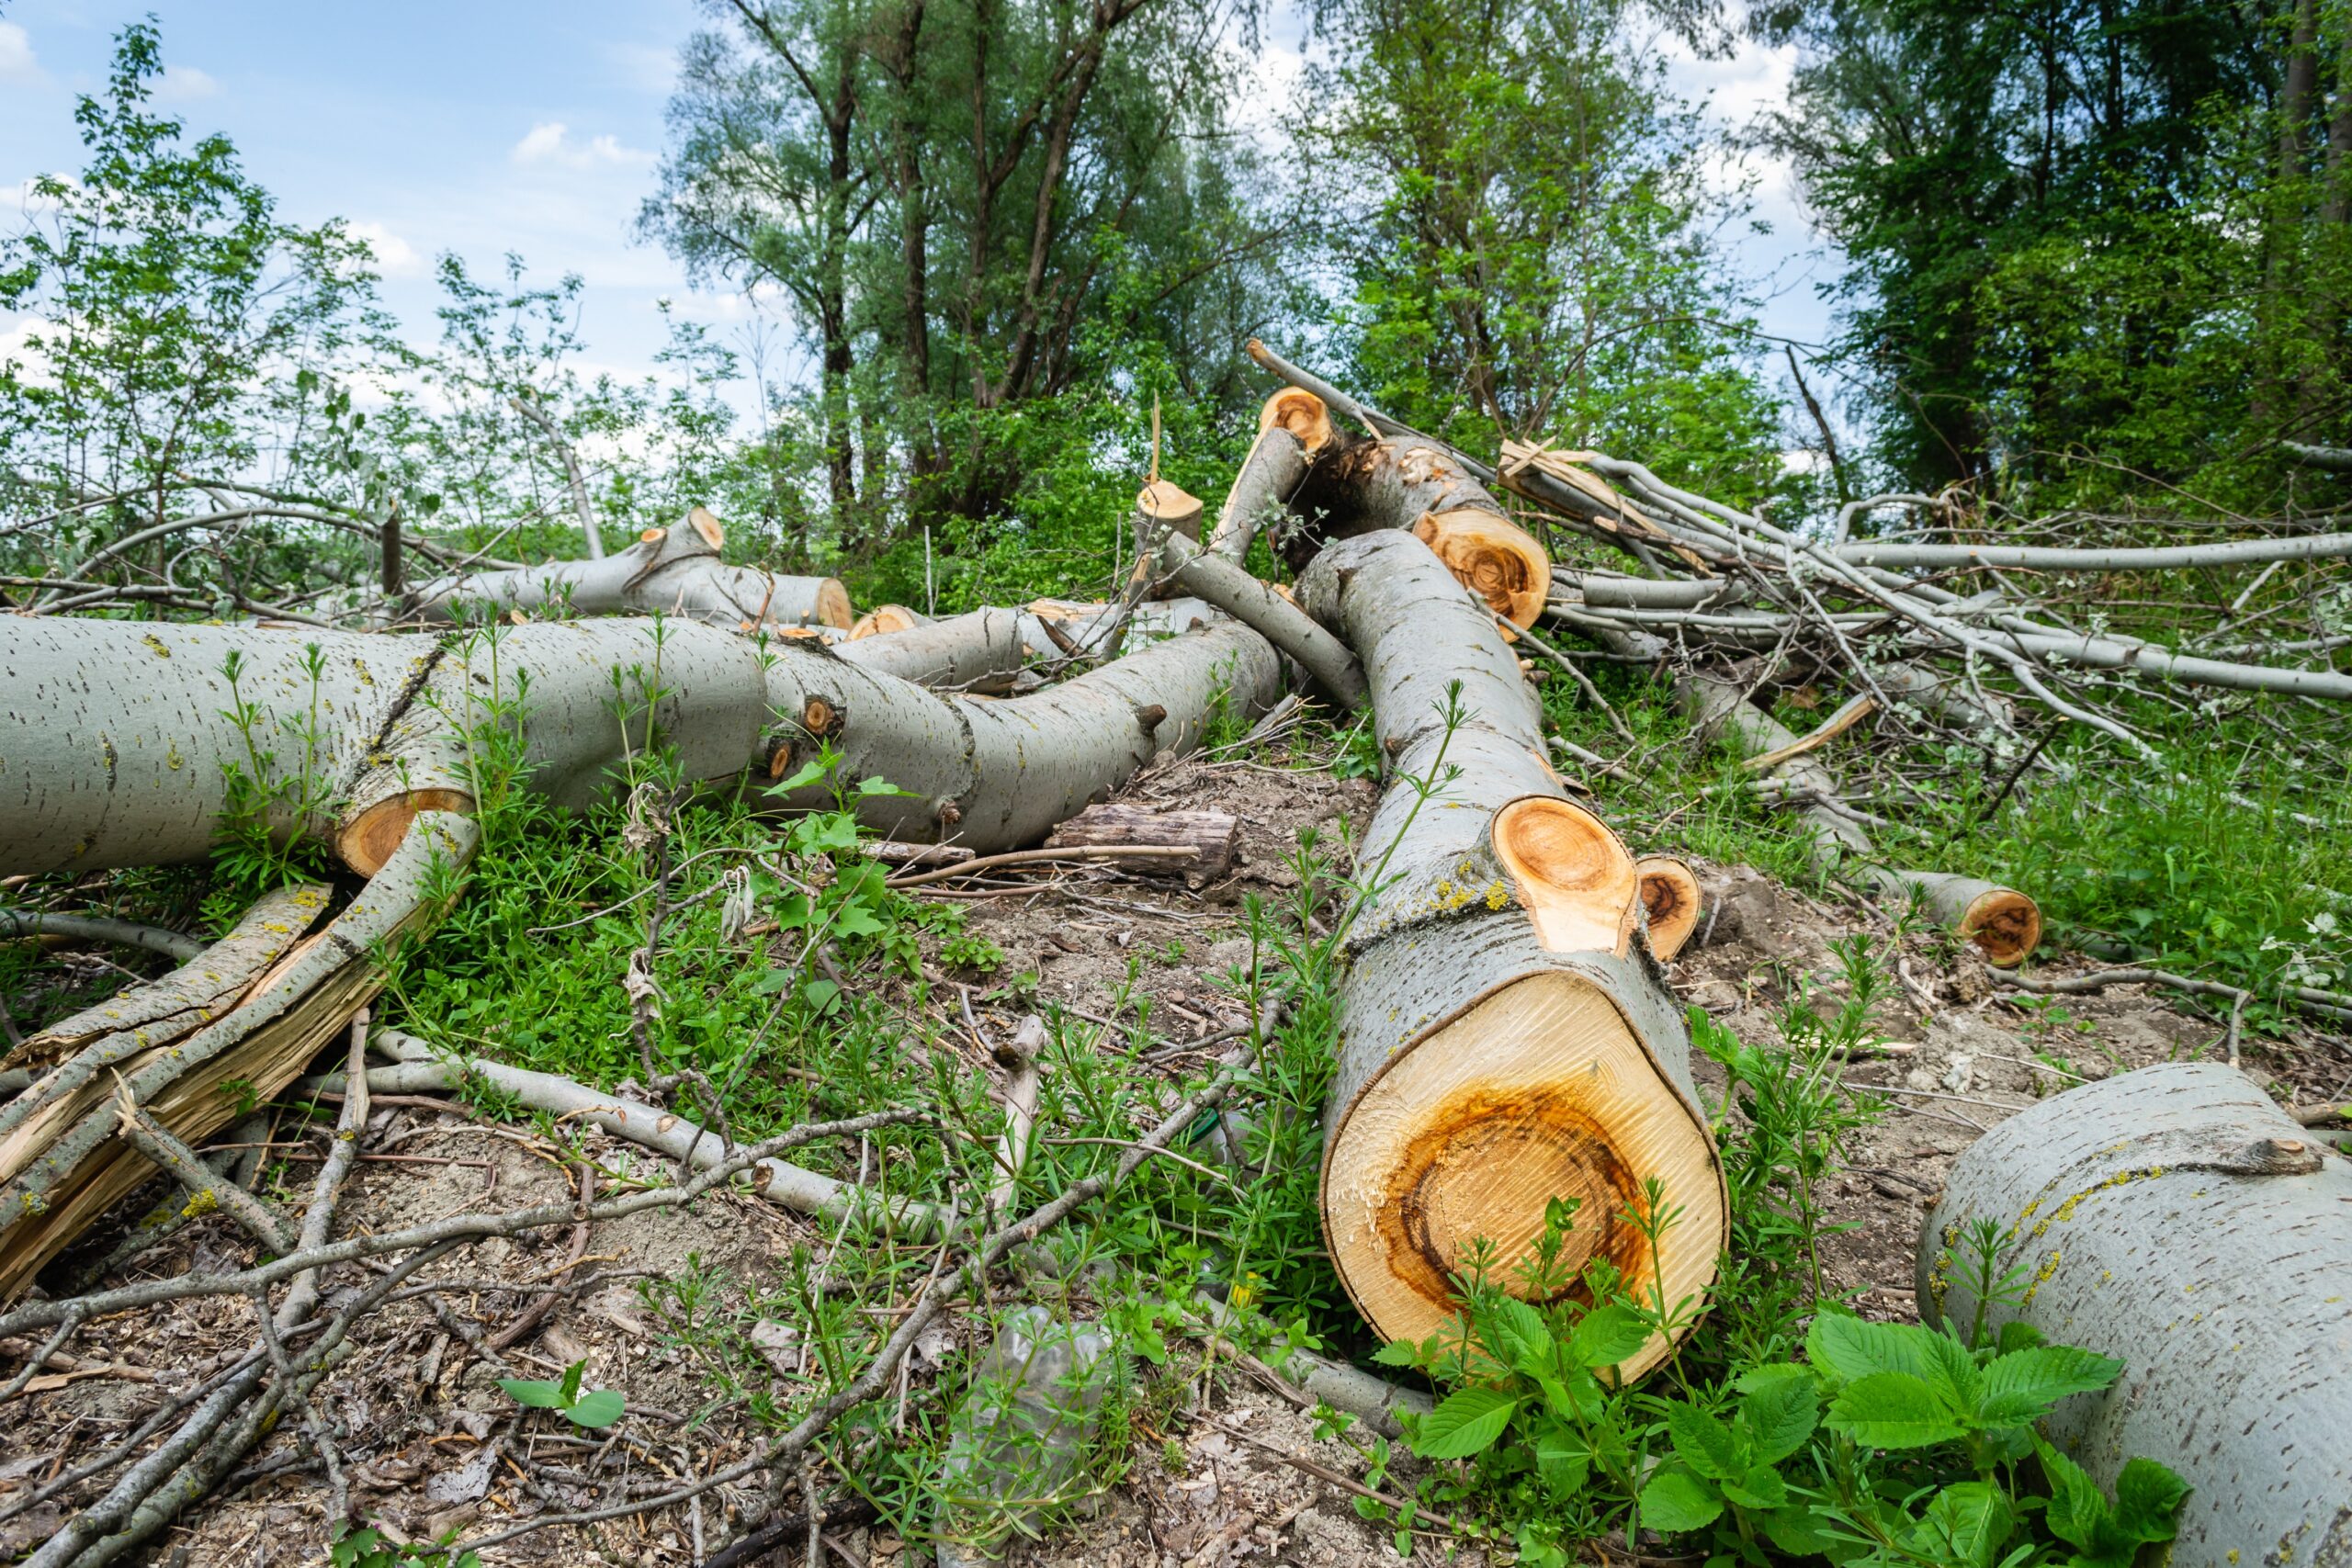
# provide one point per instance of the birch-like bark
(2175, 1219)
(671, 571)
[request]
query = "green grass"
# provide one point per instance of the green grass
(2201, 865)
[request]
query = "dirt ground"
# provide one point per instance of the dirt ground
(434, 1445)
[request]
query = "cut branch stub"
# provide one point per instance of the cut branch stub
(1570, 873)
(1670, 904)
(1484, 1071)
(2004, 924)
(883, 619)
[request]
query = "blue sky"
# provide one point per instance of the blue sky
(535, 128)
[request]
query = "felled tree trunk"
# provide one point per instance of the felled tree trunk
(669, 571)
(120, 741)
(1294, 430)
(252, 1011)
(1408, 482)
(118, 735)
(1506, 1035)
(980, 651)
(2175, 1219)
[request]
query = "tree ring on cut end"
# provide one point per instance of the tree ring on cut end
(1453, 1186)
(369, 839)
(1538, 1089)
(2005, 925)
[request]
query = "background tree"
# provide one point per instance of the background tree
(2082, 229)
(1531, 250)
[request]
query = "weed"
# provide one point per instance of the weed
(971, 950)
(591, 1409)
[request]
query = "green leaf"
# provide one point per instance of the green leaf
(2024, 1385)
(1891, 1410)
(597, 1408)
(2077, 1514)
(820, 995)
(1778, 1414)
(1467, 1422)
(571, 1380)
(808, 774)
(1761, 1488)
(1953, 1375)
(1518, 1335)
(1795, 1530)
(873, 785)
(534, 1393)
(2147, 1498)
(1965, 1525)
(1607, 1336)
(1702, 1442)
(1845, 1347)
(856, 919)
(1564, 1461)
(1398, 1353)
(1677, 1501)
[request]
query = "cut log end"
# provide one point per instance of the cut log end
(1300, 412)
(1670, 902)
(1571, 873)
(833, 607)
(2005, 925)
(708, 526)
(1540, 1090)
(882, 620)
(369, 839)
(820, 717)
(1494, 557)
(1166, 505)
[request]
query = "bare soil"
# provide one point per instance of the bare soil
(435, 1447)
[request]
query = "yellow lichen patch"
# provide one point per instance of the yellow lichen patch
(155, 646)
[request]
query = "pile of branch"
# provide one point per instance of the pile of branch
(1942, 639)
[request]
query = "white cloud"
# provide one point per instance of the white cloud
(21, 196)
(184, 84)
(395, 256)
(551, 142)
(16, 62)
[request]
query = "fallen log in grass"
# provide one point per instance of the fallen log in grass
(1507, 1038)
(2175, 1219)
(669, 571)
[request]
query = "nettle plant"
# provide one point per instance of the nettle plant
(1887, 1446)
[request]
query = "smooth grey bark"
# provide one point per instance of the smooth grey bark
(2045, 557)
(116, 744)
(1270, 475)
(2177, 1220)
(678, 573)
(98, 928)
(1219, 582)
(1419, 632)
(980, 651)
